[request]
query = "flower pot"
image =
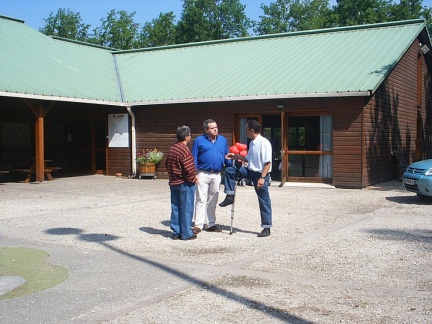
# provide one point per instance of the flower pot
(147, 169)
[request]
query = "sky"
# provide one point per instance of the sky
(33, 12)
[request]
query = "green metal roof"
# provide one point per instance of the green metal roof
(37, 66)
(333, 62)
(347, 61)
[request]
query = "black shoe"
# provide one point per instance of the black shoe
(174, 237)
(214, 228)
(193, 237)
(265, 232)
(196, 230)
(229, 200)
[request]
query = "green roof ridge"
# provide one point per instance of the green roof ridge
(268, 36)
(12, 18)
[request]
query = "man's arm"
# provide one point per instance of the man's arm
(232, 156)
(266, 169)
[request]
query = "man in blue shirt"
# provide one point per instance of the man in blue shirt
(209, 151)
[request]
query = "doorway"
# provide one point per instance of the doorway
(270, 129)
(79, 146)
(309, 148)
(302, 145)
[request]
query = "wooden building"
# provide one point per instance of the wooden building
(335, 103)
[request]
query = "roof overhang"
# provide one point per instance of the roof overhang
(56, 98)
(190, 100)
(258, 97)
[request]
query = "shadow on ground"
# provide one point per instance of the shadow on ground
(103, 239)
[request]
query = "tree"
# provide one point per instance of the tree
(118, 30)
(406, 9)
(314, 14)
(66, 24)
(160, 31)
(354, 12)
(203, 20)
(284, 16)
(412, 9)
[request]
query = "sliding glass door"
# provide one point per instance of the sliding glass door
(310, 148)
(302, 145)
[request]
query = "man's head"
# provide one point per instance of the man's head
(252, 128)
(184, 133)
(210, 128)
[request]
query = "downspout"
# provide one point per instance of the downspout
(133, 135)
(129, 110)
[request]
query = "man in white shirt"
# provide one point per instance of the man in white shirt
(258, 170)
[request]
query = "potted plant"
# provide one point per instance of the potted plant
(148, 160)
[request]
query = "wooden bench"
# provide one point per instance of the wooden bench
(30, 171)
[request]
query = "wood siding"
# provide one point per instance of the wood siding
(347, 146)
(390, 119)
(119, 161)
(156, 126)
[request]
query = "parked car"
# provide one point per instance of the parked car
(418, 178)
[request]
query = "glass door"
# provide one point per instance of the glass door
(271, 128)
(310, 148)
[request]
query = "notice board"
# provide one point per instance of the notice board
(118, 130)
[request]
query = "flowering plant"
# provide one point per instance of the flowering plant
(149, 155)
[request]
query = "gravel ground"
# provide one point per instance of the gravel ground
(334, 255)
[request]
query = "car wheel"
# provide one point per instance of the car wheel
(424, 198)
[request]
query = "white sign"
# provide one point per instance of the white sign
(118, 130)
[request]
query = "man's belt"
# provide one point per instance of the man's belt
(210, 171)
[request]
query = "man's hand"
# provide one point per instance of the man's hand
(260, 183)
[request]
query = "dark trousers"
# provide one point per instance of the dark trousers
(233, 174)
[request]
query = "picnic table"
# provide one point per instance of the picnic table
(32, 170)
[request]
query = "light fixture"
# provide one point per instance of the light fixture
(280, 105)
(424, 49)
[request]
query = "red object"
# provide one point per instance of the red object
(241, 146)
(234, 149)
(243, 153)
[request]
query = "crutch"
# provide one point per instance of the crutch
(233, 207)
(237, 165)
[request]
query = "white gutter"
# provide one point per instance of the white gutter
(133, 135)
(191, 100)
(57, 98)
(257, 97)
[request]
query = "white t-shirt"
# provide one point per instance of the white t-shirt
(260, 152)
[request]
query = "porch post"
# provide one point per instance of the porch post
(284, 149)
(39, 139)
(39, 112)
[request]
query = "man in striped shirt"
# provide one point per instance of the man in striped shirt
(182, 180)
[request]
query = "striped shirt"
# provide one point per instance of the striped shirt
(180, 165)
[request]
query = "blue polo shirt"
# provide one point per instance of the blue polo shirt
(210, 156)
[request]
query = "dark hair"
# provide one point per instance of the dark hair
(253, 124)
(208, 121)
(183, 132)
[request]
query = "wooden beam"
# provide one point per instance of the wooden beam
(39, 141)
(39, 111)
(32, 106)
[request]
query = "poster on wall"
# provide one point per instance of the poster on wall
(118, 130)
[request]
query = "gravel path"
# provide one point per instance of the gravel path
(334, 255)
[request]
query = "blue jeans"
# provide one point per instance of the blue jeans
(182, 209)
(232, 174)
